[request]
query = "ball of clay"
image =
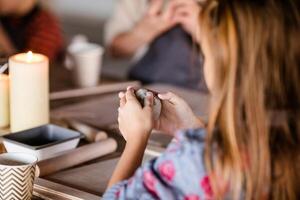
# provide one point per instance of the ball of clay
(141, 95)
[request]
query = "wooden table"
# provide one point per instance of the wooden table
(101, 111)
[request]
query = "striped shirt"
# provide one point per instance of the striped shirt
(38, 31)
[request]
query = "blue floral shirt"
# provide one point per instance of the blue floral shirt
(179, 173)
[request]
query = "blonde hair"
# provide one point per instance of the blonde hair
(253, 143)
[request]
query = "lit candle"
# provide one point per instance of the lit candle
(29, 91)
(4, 101)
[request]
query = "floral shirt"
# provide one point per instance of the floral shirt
(179, 173)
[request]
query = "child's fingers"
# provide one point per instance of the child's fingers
(130, 96)
(165, 96)
(148, 102)
(169, 96)
(130, 87)
(121, 94)
(122, 99)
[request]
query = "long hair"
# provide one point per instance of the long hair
(253, 143)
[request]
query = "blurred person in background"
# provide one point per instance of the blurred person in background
(25, 26)
(160, 46)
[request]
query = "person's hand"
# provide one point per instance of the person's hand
(186, 13)
(176, 114)
(135, 122)
(155, 22)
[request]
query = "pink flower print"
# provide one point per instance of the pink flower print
(149, 181)
(167, 170)
(130, 181)
(177, 137)
(172, 149)
(205, 184)
(118, 193)
(192, 197)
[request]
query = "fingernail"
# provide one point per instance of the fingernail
(149, 94)
(129, 88)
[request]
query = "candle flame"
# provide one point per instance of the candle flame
(29, 56)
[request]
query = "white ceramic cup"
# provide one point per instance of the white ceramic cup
(17, 174)
(85, 60)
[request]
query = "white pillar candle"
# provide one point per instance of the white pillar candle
(4, 101)
(29, 91)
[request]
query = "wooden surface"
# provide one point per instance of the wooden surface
(112, 71)
(92, 178)
(44, 189)
(97, 90)
(61, 78)
(77, 156)
(100, 111)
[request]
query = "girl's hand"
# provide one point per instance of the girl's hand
(135, 122)
(176, 114)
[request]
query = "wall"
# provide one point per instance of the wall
(87, 9)
(82, 16)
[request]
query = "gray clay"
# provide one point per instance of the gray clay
(141, 95)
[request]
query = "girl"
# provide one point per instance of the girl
(250, 147)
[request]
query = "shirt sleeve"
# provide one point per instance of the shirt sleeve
(178, 174)
(126, 14)
(45, 35)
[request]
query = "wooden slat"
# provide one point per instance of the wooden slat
(92, 178)
(49, 190)
(101, 89)
(103, 111)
